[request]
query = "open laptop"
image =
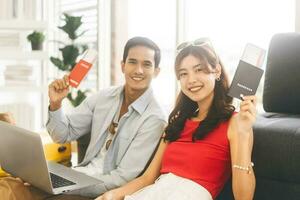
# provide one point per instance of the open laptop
(22, 155)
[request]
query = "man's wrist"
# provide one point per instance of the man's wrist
(54, 106)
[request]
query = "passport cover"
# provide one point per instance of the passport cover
(79, 72)
(245, 81)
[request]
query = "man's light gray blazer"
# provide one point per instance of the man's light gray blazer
(139, 131)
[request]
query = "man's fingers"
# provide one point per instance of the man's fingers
(60, 84)
(64, 84)
(19, 179)
(27, 184)
(66, 79)
(55, 85)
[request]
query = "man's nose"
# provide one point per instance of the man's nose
(139, 69)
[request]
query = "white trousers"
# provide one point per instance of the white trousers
(171, 187)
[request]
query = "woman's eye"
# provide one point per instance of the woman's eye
(199, 69)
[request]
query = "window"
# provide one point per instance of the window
(88, 9)
(231, 24)
(157, 20)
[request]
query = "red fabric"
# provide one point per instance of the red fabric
(206, 162)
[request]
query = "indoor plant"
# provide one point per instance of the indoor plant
(36, 38)
(70, 52)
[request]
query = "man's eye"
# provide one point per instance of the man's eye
(182, 75)
(148, 65)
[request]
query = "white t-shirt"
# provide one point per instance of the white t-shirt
(97, 163)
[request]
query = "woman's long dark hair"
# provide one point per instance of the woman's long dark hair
(221, 108)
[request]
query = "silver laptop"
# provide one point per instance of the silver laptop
(22, 155)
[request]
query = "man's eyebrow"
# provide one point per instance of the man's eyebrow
(181, 69)
(131, 59)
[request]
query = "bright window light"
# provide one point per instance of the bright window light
(230, 25)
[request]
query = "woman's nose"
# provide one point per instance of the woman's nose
(191, 78)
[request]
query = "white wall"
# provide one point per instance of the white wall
(297, 15)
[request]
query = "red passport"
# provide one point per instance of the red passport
(82, 67)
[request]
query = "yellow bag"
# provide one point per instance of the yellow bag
(2, 173)
(60, 153)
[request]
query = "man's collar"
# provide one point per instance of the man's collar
(142, 102)
(116, 90)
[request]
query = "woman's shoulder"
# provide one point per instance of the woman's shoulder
(230, 120)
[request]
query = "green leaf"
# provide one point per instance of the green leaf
(36, 37)
(78, 99)
(71, 26)
(59, 63)
(70, 54)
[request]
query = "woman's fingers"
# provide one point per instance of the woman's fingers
(248, 115)
(251, 98)
(248, 107)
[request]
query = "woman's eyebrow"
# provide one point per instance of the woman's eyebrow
(198, 65)
(181, 68)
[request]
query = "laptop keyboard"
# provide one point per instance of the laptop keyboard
(58, 181)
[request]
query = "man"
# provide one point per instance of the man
(125, 122)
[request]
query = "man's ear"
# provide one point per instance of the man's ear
(156, 71)
(122, 66)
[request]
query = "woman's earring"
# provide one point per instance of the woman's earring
(218, 79)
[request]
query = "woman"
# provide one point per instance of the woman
(205, 142)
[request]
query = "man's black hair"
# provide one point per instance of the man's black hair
(142, 41)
